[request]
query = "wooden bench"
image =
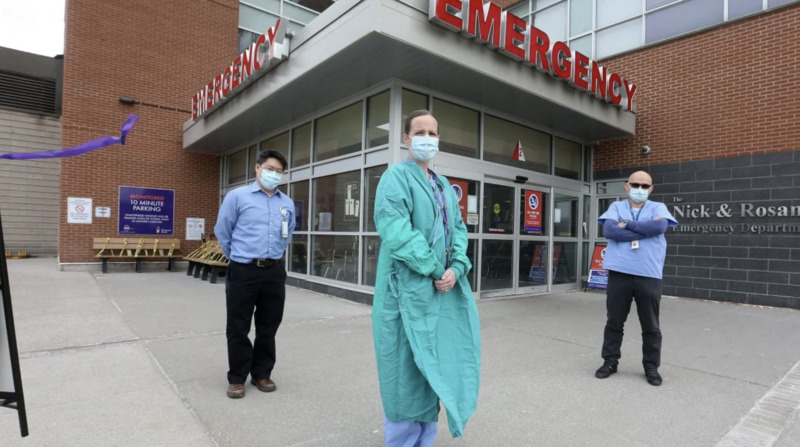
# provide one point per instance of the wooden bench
(207, 262)
(138, 248)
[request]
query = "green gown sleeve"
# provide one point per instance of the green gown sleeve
(393, 207)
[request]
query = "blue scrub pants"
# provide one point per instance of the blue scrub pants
(409, 434)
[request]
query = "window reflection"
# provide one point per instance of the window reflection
(237, 167)
(458, 128)
(378, 119)
(371, 250)
(568, 159)
(532, 263)
(338, 133)
(498, 209)
(336, 202)
(565, 216)
(503, 139)
(279, 143)
(498, 263)
(298, 254)
(301, 145)
(298, 191)
(336, 257)
(565, 262)
(371, 178)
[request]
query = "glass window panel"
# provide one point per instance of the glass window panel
(371, 178)
(472, 254)
(580, 16)
(245, 39)
(568, 159)
(251, 161)
(619, 38)
(498, 209)
(467, 191)
(338, 133)
(532, 263)
(336, 257)
(533, 212)
(378, 119)
(279, 143)
(653, 4)
(587, 201)
(683, 18)
(336, 202)
(565, 262)
(297, 13)
(500, 144)
(298, 191)
(615, 187)
(613, 11)
(553, 21)
(237, 167)
(269, 5)
(255, 19)
(587, 164)
(539, 4)
(301, 145)
(583, 45)
(498, 262)
(565, 216)
(774, 3)
(371, 250)
(739, 8)
(298, 254)
(412, 101)
(458, 128)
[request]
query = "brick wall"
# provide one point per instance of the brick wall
(726, 92)
(723, 249)
(159, 54)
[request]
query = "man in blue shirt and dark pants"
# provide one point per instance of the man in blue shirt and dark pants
(634, 259)
(254, 227)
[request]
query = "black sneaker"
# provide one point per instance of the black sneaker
(653, 377)
(606, 370)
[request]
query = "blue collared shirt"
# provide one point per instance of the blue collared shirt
(648, 259)
(249, 224)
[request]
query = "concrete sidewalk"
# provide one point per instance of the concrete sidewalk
(128, 359)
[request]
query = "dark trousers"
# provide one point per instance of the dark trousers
(622, 289)
(253, 291)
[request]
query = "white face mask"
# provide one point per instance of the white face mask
(424, 148)
(270, 179)
(638, 195)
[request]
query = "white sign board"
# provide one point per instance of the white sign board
(195, 227)
(102, 211)
(79, 210)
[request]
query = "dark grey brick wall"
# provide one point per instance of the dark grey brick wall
(724, 255)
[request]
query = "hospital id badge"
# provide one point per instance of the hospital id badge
(284, 229)
(634, 245)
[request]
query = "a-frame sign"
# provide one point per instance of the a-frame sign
(10, 379)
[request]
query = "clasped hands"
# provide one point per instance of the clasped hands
(447, 282)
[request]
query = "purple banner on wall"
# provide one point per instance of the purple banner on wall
(146, 210)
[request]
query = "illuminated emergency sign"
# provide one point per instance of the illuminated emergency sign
(273, 46)
(488, 24)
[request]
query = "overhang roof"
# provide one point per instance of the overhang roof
(357, 44)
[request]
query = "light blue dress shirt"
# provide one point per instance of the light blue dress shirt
(648, 259)
(249, 224)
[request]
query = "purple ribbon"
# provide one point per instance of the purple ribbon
(77, 150)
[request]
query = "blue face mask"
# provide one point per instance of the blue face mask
(424, 148)
(638, 195)
(270, 179)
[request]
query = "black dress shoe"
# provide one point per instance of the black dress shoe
(653, 377)
(606, 370)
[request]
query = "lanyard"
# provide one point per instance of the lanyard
(636, 217)
(441, 201)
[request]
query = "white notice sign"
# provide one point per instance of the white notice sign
(195, 227)
(79, 210)
(102, 211)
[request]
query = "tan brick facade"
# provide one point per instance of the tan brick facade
(159, 54)
(726, 92)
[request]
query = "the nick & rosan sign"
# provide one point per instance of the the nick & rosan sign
(273, 46)
(488, 24)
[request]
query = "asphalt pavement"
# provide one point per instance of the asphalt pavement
(139, 359)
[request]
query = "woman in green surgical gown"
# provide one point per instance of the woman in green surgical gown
(424, 318)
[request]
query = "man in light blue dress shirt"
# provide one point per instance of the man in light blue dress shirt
(254, 227)
(634, 259)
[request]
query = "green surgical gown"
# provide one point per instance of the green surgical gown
(427, 343)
